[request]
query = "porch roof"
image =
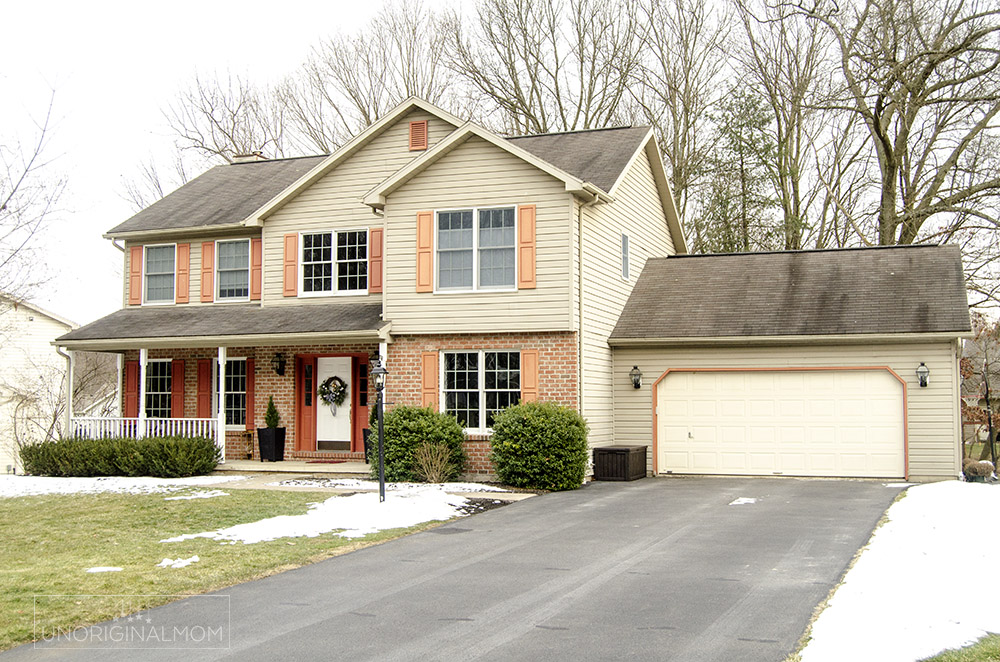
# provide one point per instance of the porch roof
(229, 325)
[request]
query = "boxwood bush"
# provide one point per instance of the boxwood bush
(406, 428)
(539, 445)
(163, 457)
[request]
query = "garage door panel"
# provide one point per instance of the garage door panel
(816, 422)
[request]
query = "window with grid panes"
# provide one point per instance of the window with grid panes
(234, 269)
(476, 249)
(236, 391)
(159, 269)
(479, 384)
(335, 261)
(158, 384)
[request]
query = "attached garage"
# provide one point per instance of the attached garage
(795, 363)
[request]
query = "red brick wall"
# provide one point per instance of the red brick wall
(557, 372)
(266, 383)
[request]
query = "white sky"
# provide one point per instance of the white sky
(113, 66)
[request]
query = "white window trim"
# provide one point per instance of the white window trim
(145, 289)
(215, 295)
(334, 292)
(626, 248)
(145, 387)
(481, 378)
(215, 391)
(475, 251)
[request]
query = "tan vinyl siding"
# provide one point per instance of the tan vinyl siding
(636, 212)
(932, 412)
(478, 174)
(194, 285)
(334, 202)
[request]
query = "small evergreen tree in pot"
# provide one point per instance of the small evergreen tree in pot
(271, 439)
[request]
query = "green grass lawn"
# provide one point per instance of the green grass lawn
(48, 542)
(986, 649)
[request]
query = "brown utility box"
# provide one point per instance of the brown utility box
(620, 463)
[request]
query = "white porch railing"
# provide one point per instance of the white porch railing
(95, 428)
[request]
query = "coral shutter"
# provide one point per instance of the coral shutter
(526, 247)
(135, 276)
(182, 293)
(256, 268)
(290, 266)
(204, 388)
(529, 375)
(425, 251)
(130, 406)
(429, 380)
(418, 135)
(177, 388)
(375, 260)
(250, 394)
(208, 271)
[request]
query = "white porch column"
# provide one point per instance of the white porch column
(120, 366)
(143, 359)
(220, 421)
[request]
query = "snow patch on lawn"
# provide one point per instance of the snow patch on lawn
(177, 563)
(349, 516)
(104, 568)
(198, 495)
(912, 592)
(366, 485)
(742, 501)
(17, 486)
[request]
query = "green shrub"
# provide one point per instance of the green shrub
(163, 457)
(539, 445)
(271, 417)
(406, 428)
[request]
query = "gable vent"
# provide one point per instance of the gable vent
(418, 135)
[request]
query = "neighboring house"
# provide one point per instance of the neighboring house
(484, 270)
(33, 379)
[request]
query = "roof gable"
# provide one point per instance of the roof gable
(889, 290)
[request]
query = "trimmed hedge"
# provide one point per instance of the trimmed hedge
(406, 428)
(539, 445)
(163, 457)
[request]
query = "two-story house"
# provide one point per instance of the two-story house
(483, 270)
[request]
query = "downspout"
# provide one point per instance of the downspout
(579, 295)
(68, 413)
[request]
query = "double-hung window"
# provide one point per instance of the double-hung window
(476, 249)
(159, 381)
(234, 270)
(159, 270)
(479, 384)
(236, 392)
(335, 262)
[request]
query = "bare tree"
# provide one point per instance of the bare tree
(28, 197)
(548, 65)
(680, 81)
(150, 183)
(221, 118)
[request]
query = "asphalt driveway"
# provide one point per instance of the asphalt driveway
(656, 569)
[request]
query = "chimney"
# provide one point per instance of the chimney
(249, 158)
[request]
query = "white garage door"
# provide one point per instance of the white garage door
(796, 423)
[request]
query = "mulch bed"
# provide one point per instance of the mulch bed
(474, 506)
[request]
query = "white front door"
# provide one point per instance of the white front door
(333, 430)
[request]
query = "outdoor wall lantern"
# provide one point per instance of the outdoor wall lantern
(378, 373)
(923, 372)
(636, 376)
(278, 363)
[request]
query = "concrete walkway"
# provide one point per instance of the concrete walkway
(666, 569)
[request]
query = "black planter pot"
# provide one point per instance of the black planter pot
(271, 442)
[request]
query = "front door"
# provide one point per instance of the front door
(334, 423)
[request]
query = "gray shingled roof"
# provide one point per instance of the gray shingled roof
(229, 320)
(225, 195)
(598, 156)
(913, 289)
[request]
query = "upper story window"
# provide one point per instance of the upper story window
(479, 384)
(335, 262)
(233, 270)
(476, 249)
(159, 271)
(625, 256)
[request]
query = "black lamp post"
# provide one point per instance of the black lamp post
(378, 373)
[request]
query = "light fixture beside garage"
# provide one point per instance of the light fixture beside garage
(923, 372)
(636, 376)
